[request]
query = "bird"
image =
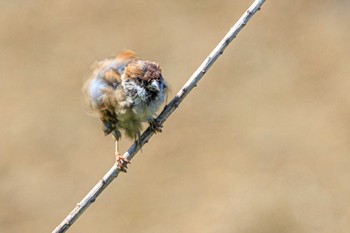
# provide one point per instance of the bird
(126, 92)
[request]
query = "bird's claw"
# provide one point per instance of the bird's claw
(156, 126)
(122, 163)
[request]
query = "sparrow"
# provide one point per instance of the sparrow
(126, 92)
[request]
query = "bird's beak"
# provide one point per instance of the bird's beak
(154, 86)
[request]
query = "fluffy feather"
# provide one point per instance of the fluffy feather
(126, 92)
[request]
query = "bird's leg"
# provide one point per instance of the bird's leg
(120, 161)
(156, 126)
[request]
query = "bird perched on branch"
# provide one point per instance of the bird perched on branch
(126, 92)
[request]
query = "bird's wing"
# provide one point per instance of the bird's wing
(101, 88)
(122, 59)
(111, 70)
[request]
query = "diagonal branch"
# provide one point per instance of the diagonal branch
(168, 110)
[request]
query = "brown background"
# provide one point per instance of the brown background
(261, 145)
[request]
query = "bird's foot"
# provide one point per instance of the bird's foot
(156, 126)
(122, 163)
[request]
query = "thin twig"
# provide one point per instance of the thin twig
(175, 102)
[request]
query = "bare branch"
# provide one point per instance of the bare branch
(168, 110)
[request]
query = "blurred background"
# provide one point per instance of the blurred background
(261, 145)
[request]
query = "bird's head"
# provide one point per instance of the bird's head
(146, 74)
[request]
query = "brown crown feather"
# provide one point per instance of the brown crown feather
(145, 70)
